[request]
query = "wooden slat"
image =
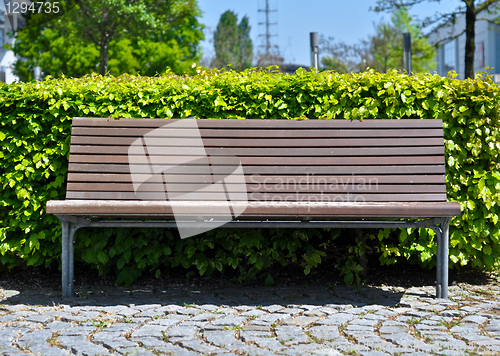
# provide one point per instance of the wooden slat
(201, 196)
(267, 161)
(224, 123)
(276, 179)
(293, 210)
(425, 169)
(295, 152)
(240, 133)
(250, 188)
(309, 143)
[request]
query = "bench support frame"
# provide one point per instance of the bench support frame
(71, 223)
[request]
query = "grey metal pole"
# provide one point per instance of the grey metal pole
(445, 237)
(37, 73)
(407, 52)
(314, 49)
(439, 263)
(66, 226)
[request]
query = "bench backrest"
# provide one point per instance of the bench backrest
(283, 160)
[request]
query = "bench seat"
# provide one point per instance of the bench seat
(290, 210)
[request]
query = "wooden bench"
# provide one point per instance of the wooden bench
(298, 174)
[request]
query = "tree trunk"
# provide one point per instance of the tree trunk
(470, 33)
(103, 65)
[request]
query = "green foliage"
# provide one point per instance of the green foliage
(35, 127)
(232, 42)
(115, 36)
(387, 48)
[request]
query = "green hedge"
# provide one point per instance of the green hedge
(35, 126)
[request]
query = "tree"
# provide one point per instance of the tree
(232, 42)
(383, 50)
(387, 45)
(343, 57)
(115, 36)
(469, 8)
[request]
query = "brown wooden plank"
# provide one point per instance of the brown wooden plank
(424, 169)
(242, 133)
(250, 188)
(276, 197)
(295, 152)
(299, 179)
(340, 142)
(249, 123)
(268, 161)
(388, 210)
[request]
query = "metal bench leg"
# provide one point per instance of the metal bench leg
(439, 262)
(68, 261)
(66, 227)
(445, 237)
(442, 233)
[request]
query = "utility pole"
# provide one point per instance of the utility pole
(268, 24)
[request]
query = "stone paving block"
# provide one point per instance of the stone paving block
(291, 311)
(44, 349)
(268, 343)
(252, 350)
(365, 321)
(327, 333)
(253, 313)
(393, 329)
(301, 321)
(290, 335)
(373, 353)
(149, 331)
(28, 325)
(407, 340)
(310, 349)
(44, 318)
(58, 326)
(128, 312)
(230, 321)
(15, 307)
(9, 318)
(67, 342)
(199, 346)
(35, 336)
(475, 319)
(182, 331)
(170, 349)
(346, 347)
(224, 339)
(451, 313)
(336, 319)
(113, 340)
(7, 335)
(77, 330)
(138, 351)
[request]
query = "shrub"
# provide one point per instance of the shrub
(35, 127)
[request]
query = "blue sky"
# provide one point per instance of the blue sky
(345, 20)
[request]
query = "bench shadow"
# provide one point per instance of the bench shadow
(340, 297)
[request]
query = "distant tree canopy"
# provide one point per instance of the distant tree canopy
(470, 9)
(383, 50)
(115, 36)
(232, 42)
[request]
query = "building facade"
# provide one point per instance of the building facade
(8, 22)
(451, 51)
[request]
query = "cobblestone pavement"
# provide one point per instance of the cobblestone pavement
(252, 321)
